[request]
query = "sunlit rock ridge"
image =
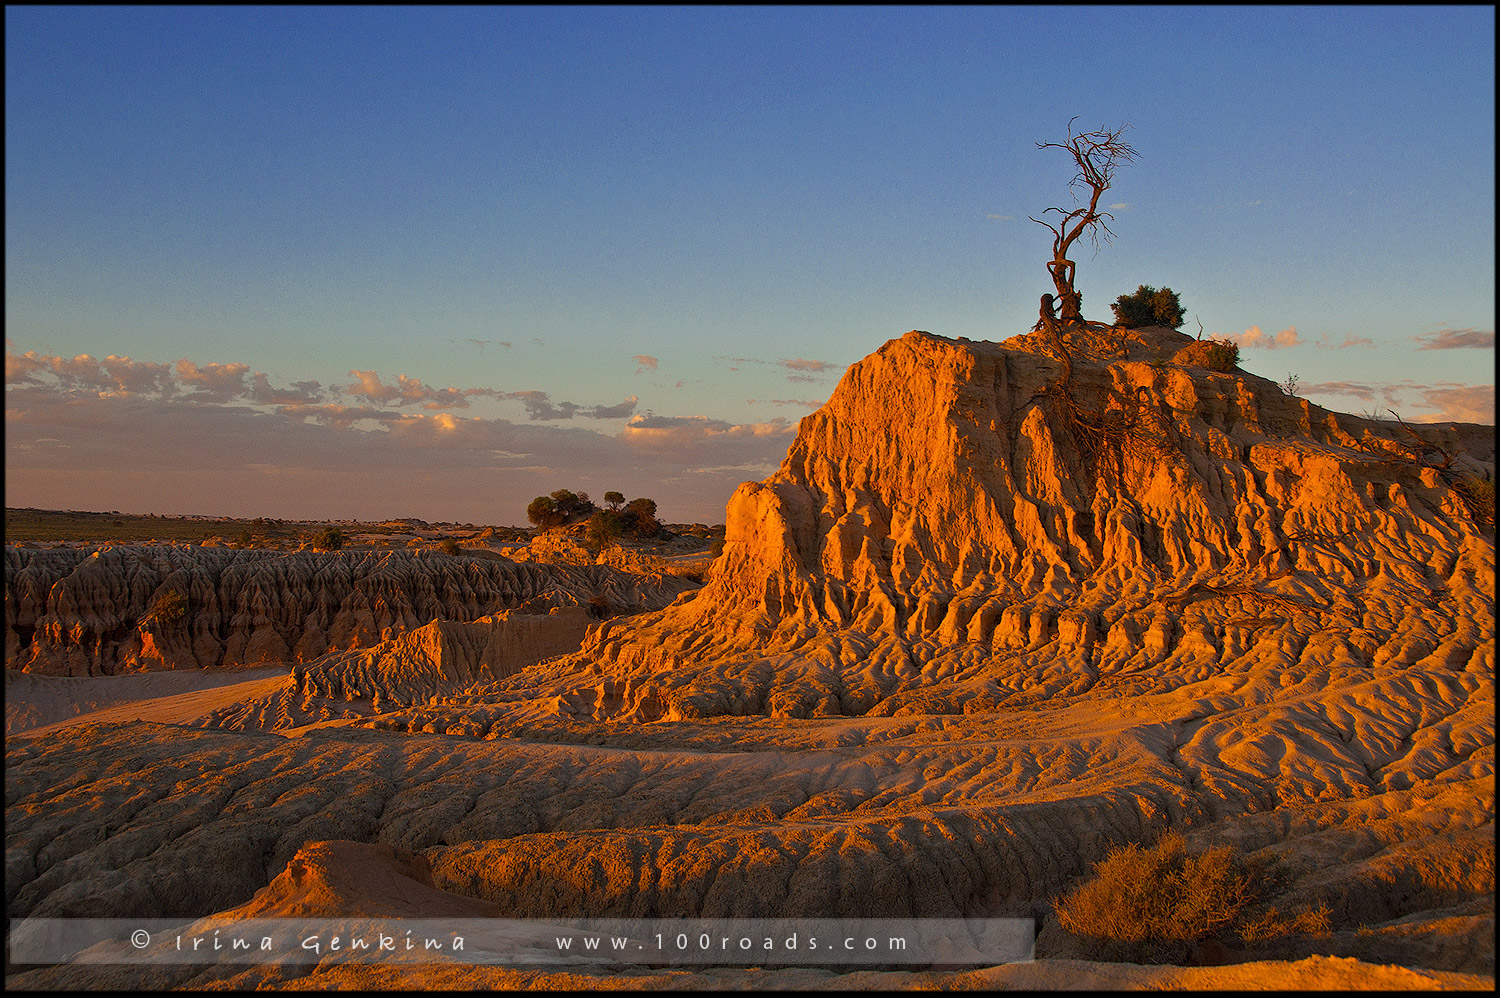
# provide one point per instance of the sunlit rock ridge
(942, 538)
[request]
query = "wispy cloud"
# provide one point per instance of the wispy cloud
(646, 362)
(799, 403)
(1325, 342)
(203, 437)
(540, 407)
(1458, 403)
(807, 371)
(1457, 339)
(697, 437)
(1443, 401)
(1254, 339)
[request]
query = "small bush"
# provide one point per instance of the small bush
(1149, 307)
(1478, 496)
(167, 607)
(328, 539)
(1214, 354)
(1146, 905)
(604, 527)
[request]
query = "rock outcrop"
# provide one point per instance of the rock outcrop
(960, 529)
(82, 612)
(433, 661)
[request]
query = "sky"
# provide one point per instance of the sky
(363, 263)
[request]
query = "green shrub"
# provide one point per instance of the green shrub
(328, 539)
(604, 527)
(1214, 354)
(560, 508)
(168, 607)
(640, 518)
(1149, 306)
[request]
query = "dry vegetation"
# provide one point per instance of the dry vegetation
(1150, 905)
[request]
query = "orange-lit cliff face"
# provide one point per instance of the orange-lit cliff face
(943, 536)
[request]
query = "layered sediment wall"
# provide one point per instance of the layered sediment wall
(83, 612)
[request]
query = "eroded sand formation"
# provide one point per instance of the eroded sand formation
(77, 612)
(956, 648)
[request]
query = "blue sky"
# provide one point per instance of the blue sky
(435, 262)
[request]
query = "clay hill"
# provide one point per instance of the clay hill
(1000, 611)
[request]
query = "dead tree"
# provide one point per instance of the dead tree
(1104, 422)
(1097, 154)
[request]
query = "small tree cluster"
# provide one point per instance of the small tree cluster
(1149, 307)
(637, 518)
(560, 508)
(328, 539)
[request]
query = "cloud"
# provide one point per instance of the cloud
(1365, 392)
(335, 414)
(1002, 218)
(1444, 401)
(800, 403)
(1457, 339)
(1254, 339)
(700, 440)
(84, 373)
(646, 363)
(1325, 342)
(409, 391)
(799, 364)
(1120, 206)
(214, 438)
(1459, 403)
(806, 371)
(619, 411)
(213, 382)
(301, 392)
(540, 407)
